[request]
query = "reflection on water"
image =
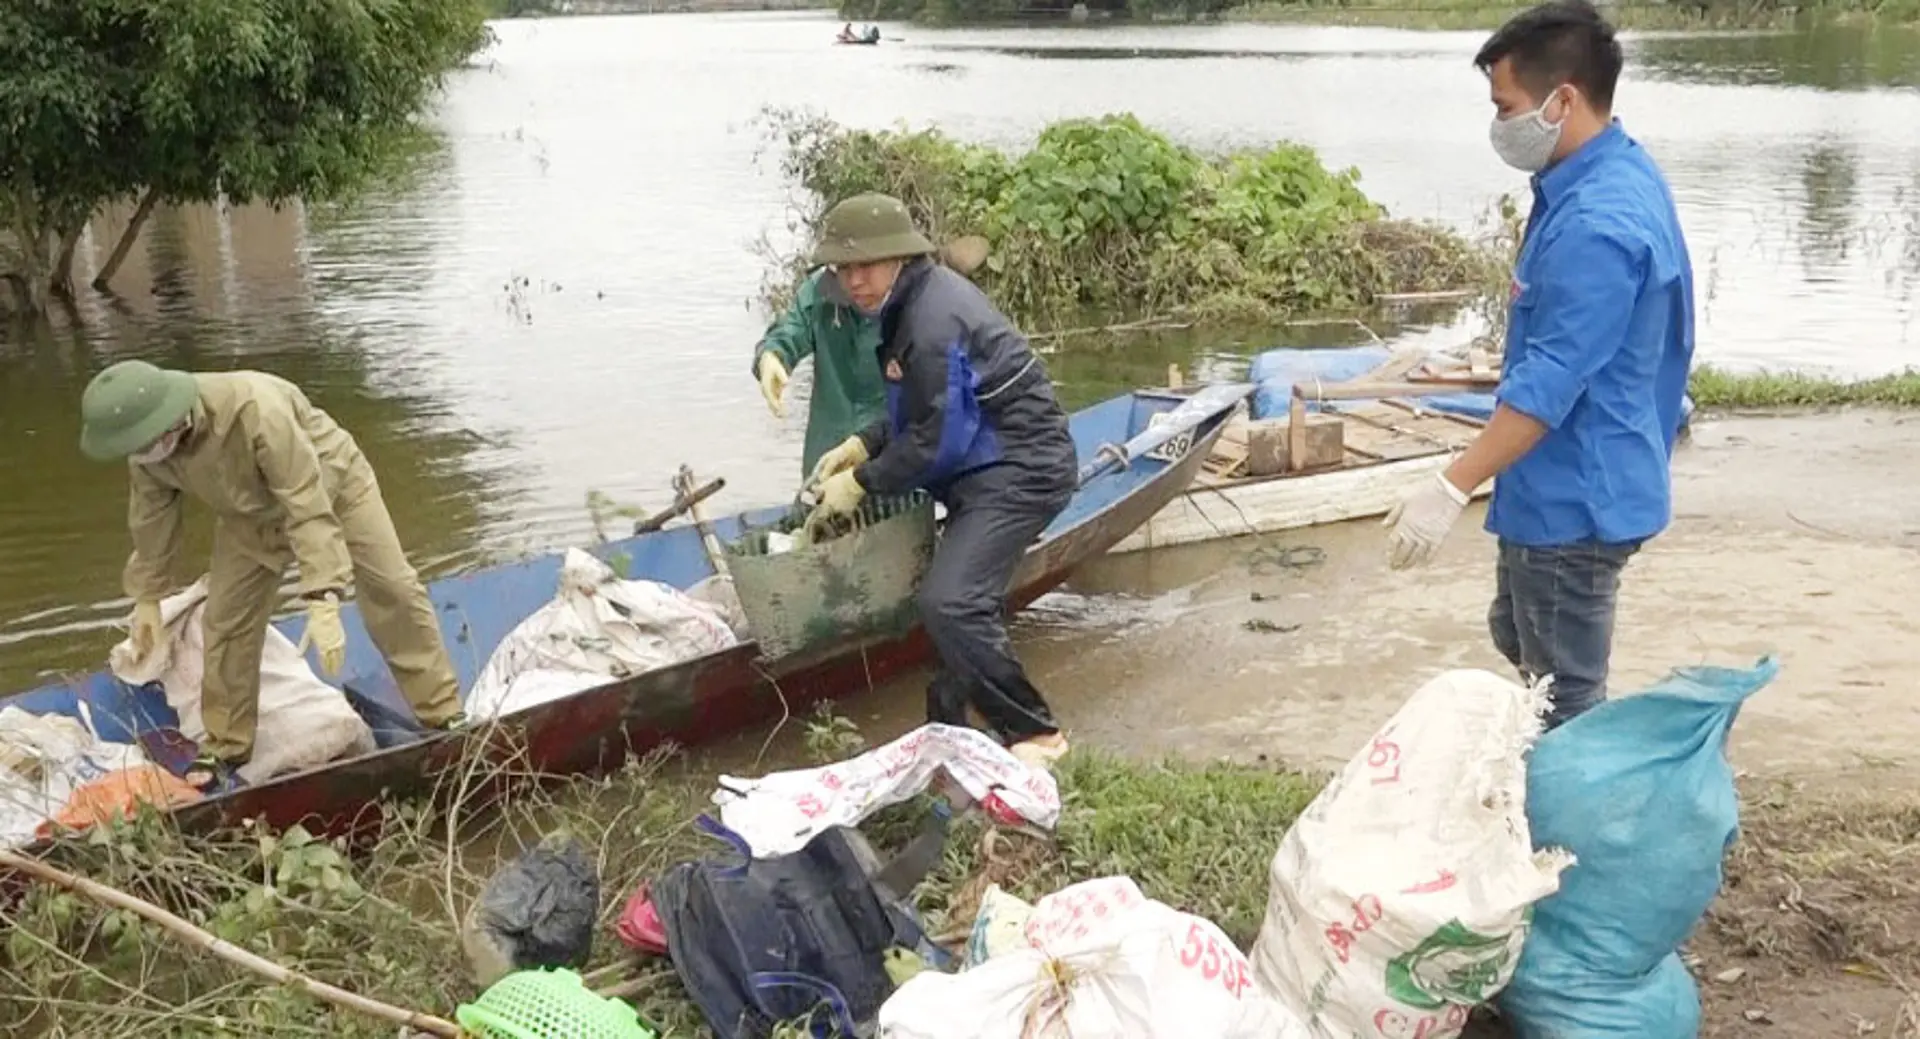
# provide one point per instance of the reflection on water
(1834, 57)
(1827, 224)
(558, 300)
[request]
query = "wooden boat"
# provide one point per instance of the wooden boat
(690, 703)
(1402, 420)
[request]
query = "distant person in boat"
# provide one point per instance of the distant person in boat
(1599, 342)
(873, 34)
(972, 419)
(285, 484)
(846, 33)
(822, 323)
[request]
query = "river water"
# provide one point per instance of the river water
(559, 302)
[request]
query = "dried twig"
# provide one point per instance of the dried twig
(225, 950)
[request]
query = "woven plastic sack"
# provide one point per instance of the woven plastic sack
(1100, 961)
(543, 1004)
(1399, 899)
(1640, 789)
(598, 629)
(779, 813)
(303, 722)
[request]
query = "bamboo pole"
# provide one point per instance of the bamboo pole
(682, 504)
(239, 957)
(684, 484)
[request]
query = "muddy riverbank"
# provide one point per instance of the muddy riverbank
(1794, 535)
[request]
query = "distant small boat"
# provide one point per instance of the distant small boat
(868, 42)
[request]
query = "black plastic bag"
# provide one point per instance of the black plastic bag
(538, 911)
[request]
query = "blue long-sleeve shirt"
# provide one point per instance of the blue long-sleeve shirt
(1599, 344)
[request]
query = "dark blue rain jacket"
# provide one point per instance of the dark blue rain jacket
(964, 391)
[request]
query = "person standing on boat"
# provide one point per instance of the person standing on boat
(286, 484)
(971, 418)
(822, 323)
(1599, 343)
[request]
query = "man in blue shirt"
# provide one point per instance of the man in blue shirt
(1599, 343)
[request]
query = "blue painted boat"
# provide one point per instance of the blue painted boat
(689, 703)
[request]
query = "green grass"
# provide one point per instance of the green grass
(1197, 837)
(1715, 388)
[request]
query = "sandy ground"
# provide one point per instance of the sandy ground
(1797, 536)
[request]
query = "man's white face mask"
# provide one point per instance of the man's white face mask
(162, 449)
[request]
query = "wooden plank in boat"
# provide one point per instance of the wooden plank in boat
(1390, 443)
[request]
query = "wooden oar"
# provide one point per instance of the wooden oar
(682, 504)
(226, 950)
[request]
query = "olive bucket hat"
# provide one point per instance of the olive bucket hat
(127, 407)
(868, 229)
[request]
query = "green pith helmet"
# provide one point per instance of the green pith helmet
(868, 229)
(127, 407)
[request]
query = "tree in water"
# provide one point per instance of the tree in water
(182, 101)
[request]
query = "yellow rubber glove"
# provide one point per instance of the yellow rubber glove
(326, 635)
(839, 496)
(773, 383)
(144, 631)
(851, 452)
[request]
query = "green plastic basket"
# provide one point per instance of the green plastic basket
(859, 584)
(548, 1004)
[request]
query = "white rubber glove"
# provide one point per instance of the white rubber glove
(1422, 520)
(773, 383)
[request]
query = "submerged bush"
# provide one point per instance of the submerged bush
(1112, 217)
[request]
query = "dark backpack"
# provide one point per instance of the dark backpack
(760, 942)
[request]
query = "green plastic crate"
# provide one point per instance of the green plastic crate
(857, 585)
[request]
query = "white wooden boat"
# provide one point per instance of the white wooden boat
(1390, 447)
(1393, 438)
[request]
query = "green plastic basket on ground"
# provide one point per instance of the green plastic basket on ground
(548, 1004)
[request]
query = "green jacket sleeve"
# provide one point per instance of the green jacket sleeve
(153, 518)
(791, 336)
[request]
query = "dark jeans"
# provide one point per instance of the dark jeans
(1552, 614)
(991, 521)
